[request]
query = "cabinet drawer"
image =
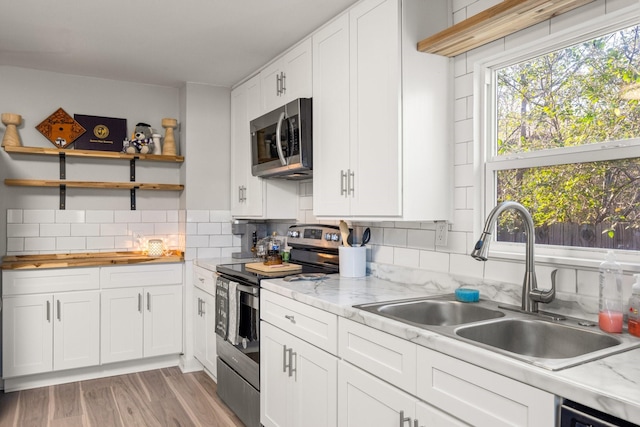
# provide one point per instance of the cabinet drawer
(481, 397)
(140, 275)
(204, 279)
(51, 280)
(385, 356)
(313, 325)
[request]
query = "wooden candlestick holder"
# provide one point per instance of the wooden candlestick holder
(11, 137)
(169, 146)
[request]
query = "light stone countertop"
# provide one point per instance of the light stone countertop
(611, 385)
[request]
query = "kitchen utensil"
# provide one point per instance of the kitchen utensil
(366, 236)
(344, 231)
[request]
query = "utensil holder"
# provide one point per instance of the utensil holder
(353, 261)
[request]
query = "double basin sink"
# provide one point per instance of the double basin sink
(549, 341)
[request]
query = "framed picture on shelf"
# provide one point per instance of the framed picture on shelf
(103, 133)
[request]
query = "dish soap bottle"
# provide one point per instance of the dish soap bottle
(634, 308)
(610, 312)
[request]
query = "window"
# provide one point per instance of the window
(561, 135)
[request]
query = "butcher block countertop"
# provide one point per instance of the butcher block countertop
(90, 259)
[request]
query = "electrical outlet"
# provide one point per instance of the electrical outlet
(442, 228)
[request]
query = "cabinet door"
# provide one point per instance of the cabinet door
(246, 189)
(375, 90)
(275, 383)
(121, 313)
(364, 400)
(331, 118)
(76, 330)
(162, 320)
(27, 335)
(315, 376)
(270, 86)
(199, 327)
(427, 415)
(205, 335)
(297, 72)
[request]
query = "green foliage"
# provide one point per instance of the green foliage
(568, 98)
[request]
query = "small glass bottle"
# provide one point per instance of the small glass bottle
(610, 311)
(634, 308)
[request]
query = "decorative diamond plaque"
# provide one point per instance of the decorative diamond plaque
(60, 128)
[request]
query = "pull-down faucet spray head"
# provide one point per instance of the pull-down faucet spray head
(481, 249)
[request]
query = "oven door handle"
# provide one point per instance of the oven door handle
(253, 290)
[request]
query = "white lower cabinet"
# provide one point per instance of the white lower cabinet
(204, 331)
(45, 332)
(298, 381)
(141, 322)
(364, 400)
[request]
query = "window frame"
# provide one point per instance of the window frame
(485, 133)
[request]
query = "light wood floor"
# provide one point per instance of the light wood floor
(164, 397)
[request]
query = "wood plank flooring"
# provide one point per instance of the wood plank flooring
(164, 397)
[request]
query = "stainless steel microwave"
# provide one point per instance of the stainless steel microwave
(281, 142)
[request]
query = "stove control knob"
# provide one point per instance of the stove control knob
(295, 234)
(335, 237)
(327, 237)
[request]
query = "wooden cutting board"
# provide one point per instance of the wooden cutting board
(275, 268)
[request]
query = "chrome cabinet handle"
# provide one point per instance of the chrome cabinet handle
(278, 84)
(48, 311)
(202, 305)
(59, 309)
(284, 358)
(351, 182)
(291, 356)
(343, 182)
(404, 419)
(290, 318)
(148, 301)
(283, 83)
(139, 302)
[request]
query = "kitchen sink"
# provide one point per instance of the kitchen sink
(432, 312)
(550, 341)
(537, 338)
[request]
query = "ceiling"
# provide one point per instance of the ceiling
(217, 42)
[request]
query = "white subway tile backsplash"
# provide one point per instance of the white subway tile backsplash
(53, 230)
(209, 228)
(464, 176)
(143, 229)
(197, 241)
(191, 228)
(100, 243)
(504, 271)
(154, 216)
(464, 265)
(463, 220)
(114, 229)
(173, 216)
(460, 109)
(460, 153)
(219, 216)
(382, 254)
(395, 237)
(305, 202)
(463, 86)
(225, 228)
(577, 16)
(127, 216)
(460, 65)
(125, 243)
(85, 229)
(460, 198)
(39, 216)
(208, 253)
(23, 230)
(218, 241)
(14, 216)
(227, 252)
(434, 261)
(463, 131)
(166, 228)
(194, 215)
(456, 243)
(70, 216)
(15, 244)
(421, 239)
(71, 243)
(99, 217)
(40, 244)
(406, 257)
(476, 7)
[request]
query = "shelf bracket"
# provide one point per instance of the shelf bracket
(63, 196)
(132, 169)
(133, 198)
(63, 165)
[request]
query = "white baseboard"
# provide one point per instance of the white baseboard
(190, 364)
(89, 373)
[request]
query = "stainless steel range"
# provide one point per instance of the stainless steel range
(315, 249)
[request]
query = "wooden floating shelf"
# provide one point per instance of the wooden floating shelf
(90, 259)
(93, 154)
(90, 184)
(498, 21)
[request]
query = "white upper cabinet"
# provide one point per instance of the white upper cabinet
(253, 197)
(382, 140)
(287, 78)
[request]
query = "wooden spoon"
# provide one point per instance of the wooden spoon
(344, 231)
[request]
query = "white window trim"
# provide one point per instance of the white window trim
(582, 258)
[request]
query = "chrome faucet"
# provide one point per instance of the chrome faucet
(531, 295)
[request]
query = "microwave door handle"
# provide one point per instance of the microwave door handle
(283, 161)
